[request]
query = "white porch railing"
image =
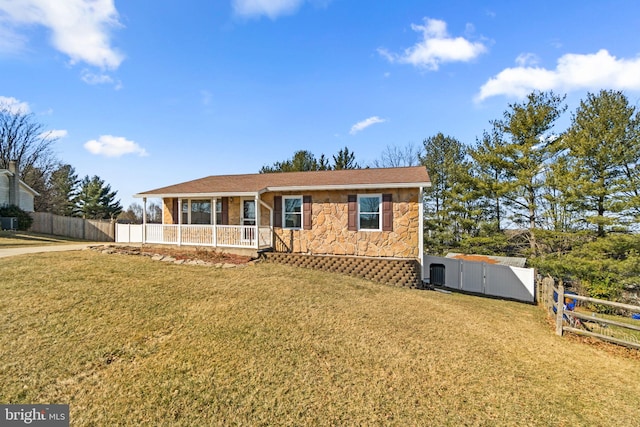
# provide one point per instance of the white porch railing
(238, 236)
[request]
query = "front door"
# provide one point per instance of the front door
(248, 218)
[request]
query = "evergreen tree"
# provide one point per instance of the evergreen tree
(519, 155)
(604, 152)
(63, 190)
(345, 159)
(302, 160)
(559, 197)
(450, 202)
(490, 176)
(323, 163)
(96, 200)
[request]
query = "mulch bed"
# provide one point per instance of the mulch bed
(206, 255)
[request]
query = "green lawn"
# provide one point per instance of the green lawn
(129, 341)
(15, 239)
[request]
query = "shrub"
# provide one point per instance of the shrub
(24, 219)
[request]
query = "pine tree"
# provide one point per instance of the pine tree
(345, 159)
(604, 152)
(450, 202)
(523, 146)
(63, 190)
(96, 200)
(302, 160)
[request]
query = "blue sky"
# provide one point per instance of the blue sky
(148, 94)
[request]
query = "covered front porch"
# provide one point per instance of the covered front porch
(232, 236)
(219, 221)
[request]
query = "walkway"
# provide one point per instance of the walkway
(6, 252)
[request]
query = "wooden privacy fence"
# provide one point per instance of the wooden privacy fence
(76, 228)
(562, 306)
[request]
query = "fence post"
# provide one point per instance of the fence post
(559, 308)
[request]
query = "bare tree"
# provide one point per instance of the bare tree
(26, 141)
(394, 156)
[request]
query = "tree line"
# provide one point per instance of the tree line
(62, 192)
(522, 173)
(567, 199)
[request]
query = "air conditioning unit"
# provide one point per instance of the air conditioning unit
(9, 223)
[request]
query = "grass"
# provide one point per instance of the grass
(128, 341)
(16, 239)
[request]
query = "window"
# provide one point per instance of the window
(196, 211)
(200, 211)
(292, 212)
(369, 211)
(185, 211)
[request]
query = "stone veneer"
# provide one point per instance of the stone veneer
(329, 234)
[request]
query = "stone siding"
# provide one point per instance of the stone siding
(329, 234)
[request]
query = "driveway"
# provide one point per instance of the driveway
(6, 252)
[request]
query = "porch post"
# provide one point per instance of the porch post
(257, 203)
(214, 220)
(421, 233)
(144, 220)
(179, 221)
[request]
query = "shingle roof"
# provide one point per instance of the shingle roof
(405, 177)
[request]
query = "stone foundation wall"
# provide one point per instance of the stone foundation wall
(394, 272)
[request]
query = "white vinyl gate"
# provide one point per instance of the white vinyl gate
(481, 278)
(128, 233)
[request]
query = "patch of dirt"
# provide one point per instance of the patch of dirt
(197, 254)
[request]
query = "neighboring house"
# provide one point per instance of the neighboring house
(14, 191)
(357, 212)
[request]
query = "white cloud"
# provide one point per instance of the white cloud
(13, 105)
(54, 134)
(79, 28)
(436, 47)
(10, 41)
(527, 59)
(113, 146)
(596, 71)
(365, 124)
(270, 8)
(97, 79)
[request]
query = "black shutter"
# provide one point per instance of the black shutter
(277, 211)
(225, 211)
(352, 201)
(174, 211)
(306, 212)
(387, 212)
